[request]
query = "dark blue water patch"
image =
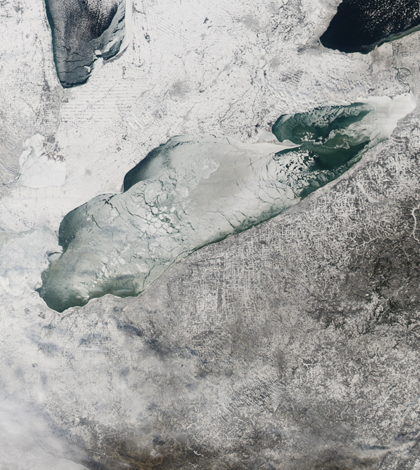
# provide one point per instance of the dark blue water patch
(82, 32)
(361, 25)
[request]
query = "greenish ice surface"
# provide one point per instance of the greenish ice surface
(196, 190)
(328, 139)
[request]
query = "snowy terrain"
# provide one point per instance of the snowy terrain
(292, 345)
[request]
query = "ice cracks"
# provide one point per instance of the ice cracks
(197, 190)
(85, 34)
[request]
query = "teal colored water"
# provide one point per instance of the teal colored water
(196, 190)
(331, 139)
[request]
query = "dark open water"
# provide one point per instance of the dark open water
(361, 25)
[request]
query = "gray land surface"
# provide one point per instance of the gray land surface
(293, 346)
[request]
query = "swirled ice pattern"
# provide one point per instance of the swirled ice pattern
(85, 33)
(196, 190)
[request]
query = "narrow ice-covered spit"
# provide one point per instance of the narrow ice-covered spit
(196, 190)
(85, 34)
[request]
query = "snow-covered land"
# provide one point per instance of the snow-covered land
(293, 345)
